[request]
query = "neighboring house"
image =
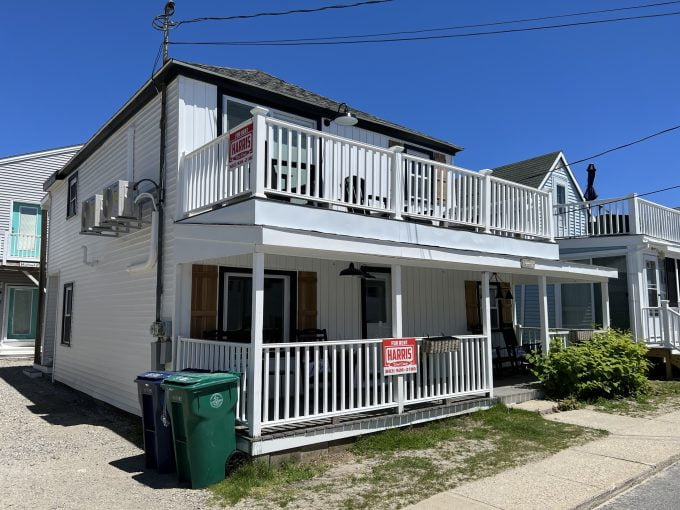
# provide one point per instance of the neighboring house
(638, 238)
(286, 245)
(21, 180)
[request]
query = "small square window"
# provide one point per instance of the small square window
(72, 203)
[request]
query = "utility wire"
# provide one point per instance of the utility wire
(458, 27)
(607, 151)
(281, 13)
(422, 38)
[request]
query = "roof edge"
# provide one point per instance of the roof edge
(39, 154)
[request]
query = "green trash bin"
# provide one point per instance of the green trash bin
(201, 409)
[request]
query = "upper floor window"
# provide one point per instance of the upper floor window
(561, 194)
(67, 314)
(72, 204)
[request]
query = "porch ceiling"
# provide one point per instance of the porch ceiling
(196, 243)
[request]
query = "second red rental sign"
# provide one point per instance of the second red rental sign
(400, 356)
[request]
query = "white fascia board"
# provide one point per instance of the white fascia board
(663, 246)
(318, 245)
(559, 158)
(314, 219)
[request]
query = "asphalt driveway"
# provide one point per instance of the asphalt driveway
(61, 450)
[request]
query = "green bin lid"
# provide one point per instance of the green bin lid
(196, 380)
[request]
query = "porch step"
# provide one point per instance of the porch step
(32, 372)
(16, 352)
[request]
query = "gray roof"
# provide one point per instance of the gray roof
(529, 172)
(270, 83)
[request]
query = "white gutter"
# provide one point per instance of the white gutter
(150, 261)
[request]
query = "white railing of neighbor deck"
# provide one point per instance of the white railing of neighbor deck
(662, 325)
(217, 356)
(313, 167)
(626, 215)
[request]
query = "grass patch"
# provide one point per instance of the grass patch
(258, 479)
(397, 467)
(662, 397)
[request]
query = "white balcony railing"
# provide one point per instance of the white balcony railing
(310, 166)
(628, 215)
(661, 326)
(304, 381)
(19, 247)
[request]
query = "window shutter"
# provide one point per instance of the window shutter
(505, 306)
(307, 305)
(670, 282)
(472, 307)
(203, 299)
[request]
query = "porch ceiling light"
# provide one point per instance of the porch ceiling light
(345, 117)
(496, 279)
(351, 271)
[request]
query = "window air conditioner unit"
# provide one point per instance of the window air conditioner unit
(91, 216)
(119, 204)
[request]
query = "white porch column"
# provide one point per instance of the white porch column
(544, 316)
(181, 321)
(255, 397)
(486, 329)
(606, 320)
(259, 164)
(397, 330)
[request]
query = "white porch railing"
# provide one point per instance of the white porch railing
(305, 381)
(316, 167)
(213, 355)
(662, 326)
(532, 335)
(627, 215)
(21, 247)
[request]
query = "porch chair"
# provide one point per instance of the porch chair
(215, 334)
(513, 353)
(311, 335)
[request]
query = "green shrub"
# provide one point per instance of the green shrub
(610, 365)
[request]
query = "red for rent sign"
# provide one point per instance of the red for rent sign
(240, 144)
(400, 356)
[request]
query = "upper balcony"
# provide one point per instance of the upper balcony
(269, 158)
(19, 248)
(618, 216)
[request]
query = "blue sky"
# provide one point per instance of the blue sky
(68, 66)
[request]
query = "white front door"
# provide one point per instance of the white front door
(652, 314)
(378, 305)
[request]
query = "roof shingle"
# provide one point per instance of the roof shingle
(529, 172)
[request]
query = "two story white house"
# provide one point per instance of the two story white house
(21, 179)
(637, 237)
(262, 228)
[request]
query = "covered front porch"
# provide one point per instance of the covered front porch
(305, 328)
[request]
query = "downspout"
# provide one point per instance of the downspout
(152, 257)
(37, 351)
(161, 205)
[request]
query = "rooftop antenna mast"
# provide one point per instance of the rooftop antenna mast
(163, 23)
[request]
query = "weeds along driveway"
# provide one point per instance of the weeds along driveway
(60, 450)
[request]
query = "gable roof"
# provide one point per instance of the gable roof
(270, 83)
(530, 172)
(258, 86)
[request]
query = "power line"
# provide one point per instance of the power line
(458, 27)
(585, 206)
(422, 38)
(281, 13)
(607, 151)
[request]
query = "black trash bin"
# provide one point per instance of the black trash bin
(158, 446)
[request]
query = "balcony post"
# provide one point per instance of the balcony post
(258, 164)
(664, 316)
(550, 219)
(255, 397)
(606, 318)
(634, 214)
(397, 331)
(486, 201)
(486, 329)
(398, 181)
(544, 314)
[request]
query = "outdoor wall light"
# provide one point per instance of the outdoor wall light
(496, 279)
(351, 270)
(345, 117)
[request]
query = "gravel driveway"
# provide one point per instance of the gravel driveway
(61, 450)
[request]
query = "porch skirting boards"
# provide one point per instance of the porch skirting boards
(329, 431)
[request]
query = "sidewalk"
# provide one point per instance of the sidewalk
(579, 477)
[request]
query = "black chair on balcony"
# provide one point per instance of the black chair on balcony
(311, 335)
(355, 193)
(215, 334)
(513, 353)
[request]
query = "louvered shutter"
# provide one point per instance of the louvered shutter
(203, 299)
(307, 304)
